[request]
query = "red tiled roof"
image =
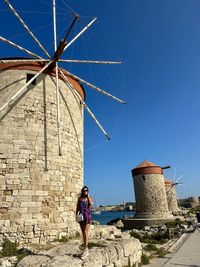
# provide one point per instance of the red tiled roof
(37, 66)
(145, 163)
(147, 167)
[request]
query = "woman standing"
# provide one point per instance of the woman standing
(83, 207)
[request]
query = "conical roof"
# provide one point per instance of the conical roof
(146, 167)
(145, 163)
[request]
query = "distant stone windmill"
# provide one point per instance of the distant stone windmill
(150, 196)
(41, 117)
(170, 186)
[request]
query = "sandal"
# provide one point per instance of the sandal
(85, 254)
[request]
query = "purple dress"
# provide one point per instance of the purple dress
(84, 208)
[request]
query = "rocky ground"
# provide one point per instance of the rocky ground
(108, 247)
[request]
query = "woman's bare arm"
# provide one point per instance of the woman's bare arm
(90, 201)
(77, 206)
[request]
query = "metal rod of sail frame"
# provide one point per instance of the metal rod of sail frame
(79, 34)
(84, 104)
(26, 27)
(19, 47)
(90, 61)
(57, 89)
(96, 88)
(22, 60)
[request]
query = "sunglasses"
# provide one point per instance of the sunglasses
(85, 190)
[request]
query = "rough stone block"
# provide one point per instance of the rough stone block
(28, 204)
(23, 159)
(41, 193)
(131, 246)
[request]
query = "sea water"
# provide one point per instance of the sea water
(107, 216)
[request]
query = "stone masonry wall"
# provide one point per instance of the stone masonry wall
(39, 188)
(171, 198)
(151, 200)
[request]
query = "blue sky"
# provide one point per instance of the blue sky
(159, 43)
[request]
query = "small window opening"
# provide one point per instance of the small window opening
(143, 177)
(30, 76)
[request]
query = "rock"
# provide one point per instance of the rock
(95, 223)
(148, 234)
(132, 246)
(8, 261)
(119, 224)
(64, 261)
(114, 221)
(154, 230)
(162, 232)
(146, 228)
(33, 260)
(118, 252)
(190, 229)
(62, 234)
(5, 263)
(125, 235)
(134, 231)
(164, 228)
(141, 235)
(111, 236)
(25, 249)
(183, 226)
(104, 231)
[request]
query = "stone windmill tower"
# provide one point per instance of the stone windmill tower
(41, 141)
(151, 200)
(171, 196)
(194, 201)
(150, 196)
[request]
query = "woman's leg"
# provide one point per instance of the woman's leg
(86, 238)
(87, 226)
(82, 226)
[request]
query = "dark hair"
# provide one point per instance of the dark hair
(82, 190)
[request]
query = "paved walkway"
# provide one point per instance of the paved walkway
(187, 255)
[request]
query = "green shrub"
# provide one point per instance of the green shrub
(159, 238)
(176, 232)
(136, 235)
(134, 265)
(150, 247)
(173, 224)
(155, 238)
(77, 235)
(161, 252)
(194, 210)
(9, 249)
(65, 239)
(178, 221)
(145, 259)
(95, 244)
(23, 253)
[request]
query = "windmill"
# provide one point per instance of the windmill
(41, 141)
(170, 186)
(52, 63)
